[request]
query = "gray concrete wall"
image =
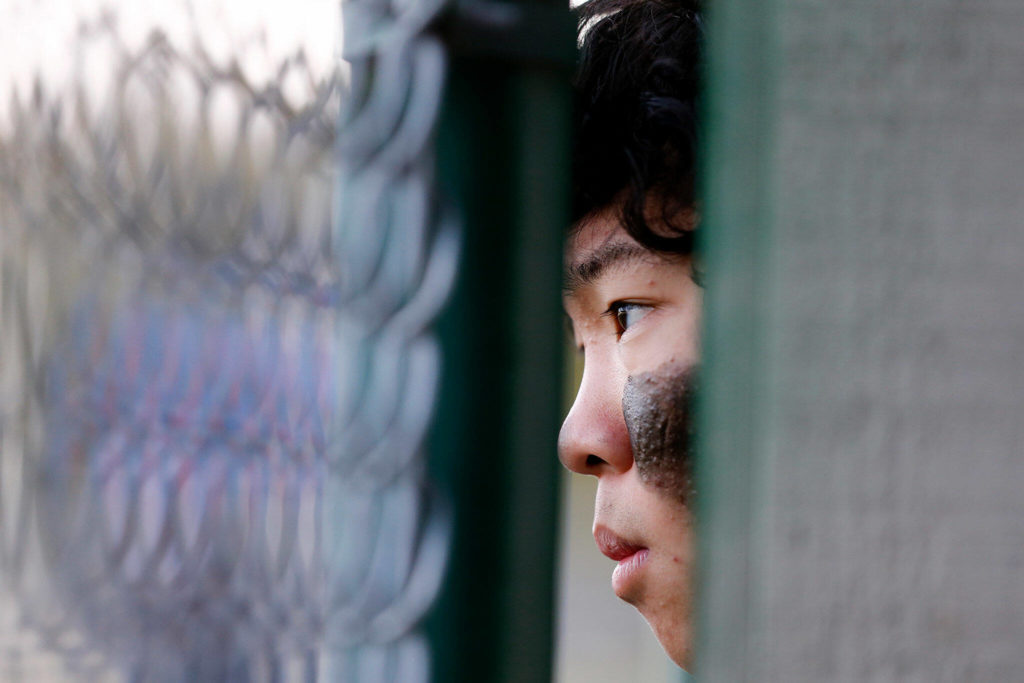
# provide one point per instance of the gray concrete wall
(866, 516)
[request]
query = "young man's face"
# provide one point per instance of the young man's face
(635, 317)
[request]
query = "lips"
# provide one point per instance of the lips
(614, 546)
(630, 557)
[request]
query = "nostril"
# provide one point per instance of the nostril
(594, 461)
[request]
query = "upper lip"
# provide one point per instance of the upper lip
(613, 545)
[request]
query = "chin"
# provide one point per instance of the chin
(671, 621)
(676, 641)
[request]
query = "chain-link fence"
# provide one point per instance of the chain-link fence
(216, 369)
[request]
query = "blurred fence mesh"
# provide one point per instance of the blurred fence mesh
(215, 361)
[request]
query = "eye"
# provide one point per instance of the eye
(627, 314)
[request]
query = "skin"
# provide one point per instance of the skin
(635, 317)
(657, 407)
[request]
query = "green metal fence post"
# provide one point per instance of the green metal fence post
(503, 159)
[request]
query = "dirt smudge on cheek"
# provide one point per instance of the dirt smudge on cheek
(658, 410)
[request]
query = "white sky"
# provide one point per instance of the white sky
(38, 36)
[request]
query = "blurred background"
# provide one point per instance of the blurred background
(211, 423)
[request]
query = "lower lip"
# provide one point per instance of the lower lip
(627, 569)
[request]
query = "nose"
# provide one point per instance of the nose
(593, 439)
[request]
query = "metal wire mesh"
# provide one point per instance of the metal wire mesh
(215, 385)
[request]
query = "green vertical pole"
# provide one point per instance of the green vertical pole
(503, 160)
(736, 233)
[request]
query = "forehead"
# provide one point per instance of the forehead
(599, 248)
(594, 231)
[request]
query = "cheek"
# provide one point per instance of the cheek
(668, 604)
(657, 407)
(668, 337)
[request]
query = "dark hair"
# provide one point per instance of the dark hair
(636, 116)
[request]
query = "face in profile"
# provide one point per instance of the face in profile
(635, 318)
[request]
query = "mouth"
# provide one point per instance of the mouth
(630, 557)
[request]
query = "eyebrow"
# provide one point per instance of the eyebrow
(608, 255)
